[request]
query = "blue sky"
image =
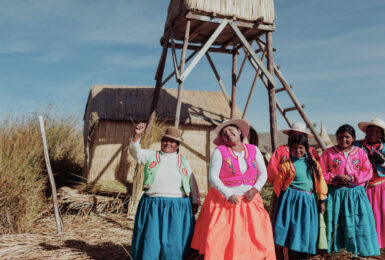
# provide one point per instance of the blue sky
(52, 52)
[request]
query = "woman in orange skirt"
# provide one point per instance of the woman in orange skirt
(233, 223)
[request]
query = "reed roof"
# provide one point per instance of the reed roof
(250, 10)
(133, 103)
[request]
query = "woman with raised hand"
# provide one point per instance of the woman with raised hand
(164, 220)
(233, 223)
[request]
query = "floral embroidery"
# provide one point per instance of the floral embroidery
(184, 171)
(153, 164)
(254, 163)
(228, 160)
(336, 163)
(356, 164)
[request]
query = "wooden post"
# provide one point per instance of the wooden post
(272, 101)
(50, 176)
(181, 82)
(158, 86)
(234, 80)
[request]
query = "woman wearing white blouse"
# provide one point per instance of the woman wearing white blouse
(233, 223)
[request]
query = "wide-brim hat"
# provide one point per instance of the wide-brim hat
(375, 121)
(240, 123)
(298, 127)
(173, 133)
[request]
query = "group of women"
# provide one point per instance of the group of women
(330, 202)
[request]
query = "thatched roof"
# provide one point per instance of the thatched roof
(133, 103)
(250, 10)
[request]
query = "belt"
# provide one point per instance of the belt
(376, 183)
(308, 192)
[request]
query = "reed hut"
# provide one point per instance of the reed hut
(112, 112)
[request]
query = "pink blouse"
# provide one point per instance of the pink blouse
(356, 165)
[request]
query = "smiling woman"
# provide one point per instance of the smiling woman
(233, 208)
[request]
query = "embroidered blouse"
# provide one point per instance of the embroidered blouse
(356, 165)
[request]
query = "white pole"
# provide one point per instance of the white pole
(50, 175)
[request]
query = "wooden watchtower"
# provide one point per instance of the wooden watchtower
(229, 27)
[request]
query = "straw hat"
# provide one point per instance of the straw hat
(298, 127)
(173, 133)
(376, 122)
(240, 123)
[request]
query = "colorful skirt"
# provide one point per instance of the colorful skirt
(376, 196)
(163, 228)
(350, 221)
(295, 221)
(233, 231)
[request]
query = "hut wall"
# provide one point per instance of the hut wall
(109, 155)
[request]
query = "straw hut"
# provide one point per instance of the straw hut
(112, 112)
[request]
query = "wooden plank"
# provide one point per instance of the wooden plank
(203, 50)
(241, 68)
(181, 82)
(218, 78)
(299, 107)
(281, 89)
(233, 38)
(50, 176)
(252, 54)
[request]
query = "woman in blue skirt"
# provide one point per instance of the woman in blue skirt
(350, 220)
(164, 221)
(295, 219)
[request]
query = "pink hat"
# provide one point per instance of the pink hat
(240, 123)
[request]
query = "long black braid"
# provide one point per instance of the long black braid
(310, 163)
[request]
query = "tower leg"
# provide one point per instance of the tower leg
(234, 81)
(272, 101)
(182, 63)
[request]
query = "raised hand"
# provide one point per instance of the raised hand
(139, 130)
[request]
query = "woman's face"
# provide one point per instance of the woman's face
(345, 140)
(231, 135)
(169, 145)
(298, 150)
(373, 134)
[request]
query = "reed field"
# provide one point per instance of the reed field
(23, 179)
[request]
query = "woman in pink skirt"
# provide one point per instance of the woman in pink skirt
(233, 223)
(373, 144)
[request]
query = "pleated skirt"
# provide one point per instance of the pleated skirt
(163, 228)
(295, 221)
(376, 196)
(350, 221)
(233, 231)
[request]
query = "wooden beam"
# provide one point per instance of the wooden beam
(234, 81)
(218, 78)
(291, 109)
(173, 73)
(248, 48)
(174, 59)
(258, 72)
(280, 109)
(241, 68)
(233, 38)
(299, 107)
(197, 48)
(203, 50)
(270, 87)
(281, 89)
(181, 82)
